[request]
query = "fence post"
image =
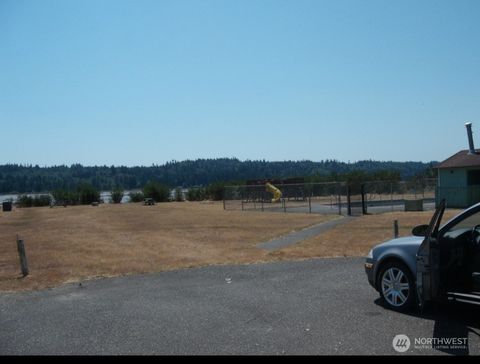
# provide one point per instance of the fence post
(349, 202)
(23, 257)
(310, 204)
(284, 205)
(391, 195)
(339, 199)
(364, 206)
(395, 229)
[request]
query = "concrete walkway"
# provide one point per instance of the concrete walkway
(297, 236)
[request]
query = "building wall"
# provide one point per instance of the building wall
(453, 186)
(454, 177)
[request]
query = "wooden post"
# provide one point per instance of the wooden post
(23, 257)
(310, 204)
(395, 229)
(364, 205)
(349, 202)
(391, 195)
(339, 198)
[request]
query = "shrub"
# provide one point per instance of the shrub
(178, 194)
(42, 200)
(117, 195)
(215, 191)
(87, 194)
(157, 191)
(65, 197)
(136, 196)
(24, 201)
(196, 194)
(29, 201)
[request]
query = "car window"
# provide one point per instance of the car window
(464, 225)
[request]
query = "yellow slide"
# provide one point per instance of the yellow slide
(277, 194)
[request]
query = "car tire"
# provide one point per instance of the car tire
(396, 286)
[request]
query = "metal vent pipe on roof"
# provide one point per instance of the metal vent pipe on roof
(471, 147)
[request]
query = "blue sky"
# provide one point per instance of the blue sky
(141, 82)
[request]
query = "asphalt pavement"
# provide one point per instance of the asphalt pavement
(319, 306)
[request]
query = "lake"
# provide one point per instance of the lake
(104, 195)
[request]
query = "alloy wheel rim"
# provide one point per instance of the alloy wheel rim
(395, 287)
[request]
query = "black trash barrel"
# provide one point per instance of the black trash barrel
(7, 206)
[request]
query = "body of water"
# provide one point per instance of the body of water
(104, 195)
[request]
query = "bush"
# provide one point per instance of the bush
(87, 194)
(215, 191)
(136, 196)
(178, 194)
(196, 194)
(65, 197)
(157, 191)
(117, 195)
(24, 201)
(36, 201)
(42, 200)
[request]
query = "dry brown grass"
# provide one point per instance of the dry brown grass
(76, 243)
(357, 237)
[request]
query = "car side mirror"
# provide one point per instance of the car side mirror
(420, 230)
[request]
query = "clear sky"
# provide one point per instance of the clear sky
(141, 82)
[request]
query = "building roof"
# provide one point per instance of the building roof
(461, 159)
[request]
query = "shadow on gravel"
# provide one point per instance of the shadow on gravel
(451, 321)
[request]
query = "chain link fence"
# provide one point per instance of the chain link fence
(382, 196)
(338, 198)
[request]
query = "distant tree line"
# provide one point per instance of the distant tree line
(16, 178)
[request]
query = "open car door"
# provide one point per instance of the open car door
(428, 259)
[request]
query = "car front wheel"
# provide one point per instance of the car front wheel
(396, 286)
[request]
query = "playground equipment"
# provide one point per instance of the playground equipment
(277, 194)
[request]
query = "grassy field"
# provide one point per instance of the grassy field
(358, 236)
(82, 242)
(76, 243)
